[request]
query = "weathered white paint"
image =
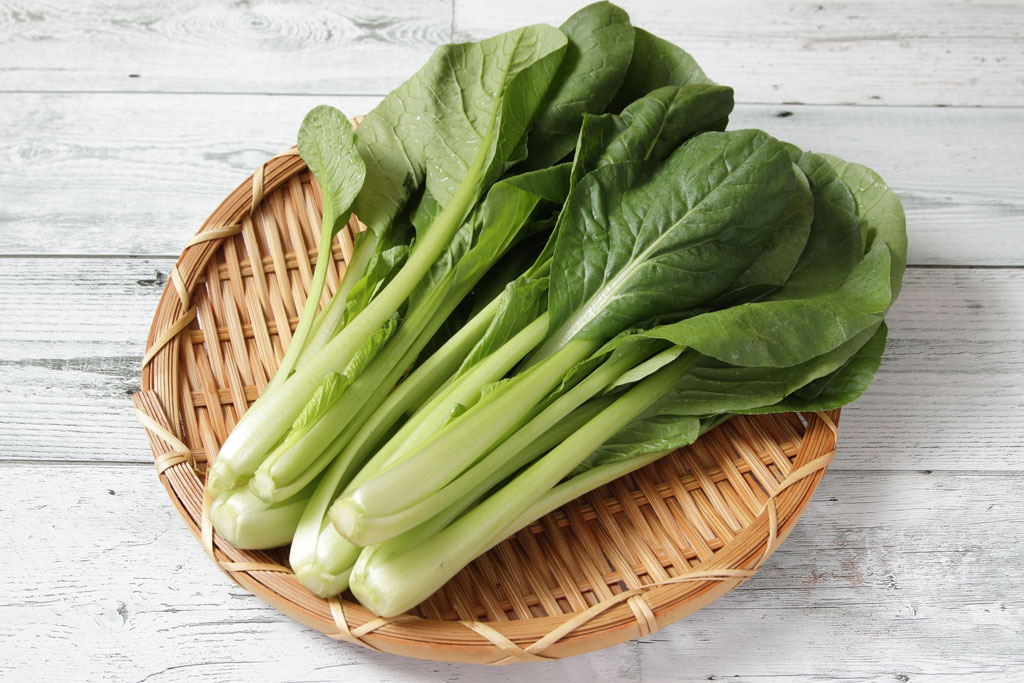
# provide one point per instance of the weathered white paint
(906, 566)
(138, 174)
(817, 51)
(312, 46)
(809, 51)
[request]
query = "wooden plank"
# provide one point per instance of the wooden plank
(780, 51)
(866, 52)
(314, 46)
(73, 336)
(954, 350)
(141, 172)
(888, 577)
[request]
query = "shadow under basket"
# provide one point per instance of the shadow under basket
(619, 563)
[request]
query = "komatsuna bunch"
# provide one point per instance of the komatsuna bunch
(570, 268)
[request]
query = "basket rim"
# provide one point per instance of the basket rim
(158, 407)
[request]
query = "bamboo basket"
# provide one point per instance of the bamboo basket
(619, 563)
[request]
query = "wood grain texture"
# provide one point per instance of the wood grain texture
(954, 347)
(138, 174)
(311, 46)
(817, 52)
(107, 565)
(780, 51)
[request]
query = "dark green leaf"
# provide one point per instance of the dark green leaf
(656, 62)
(714, 387)
(834, 245)
(881, 212)
(640, 239)
(652, 127)
(784, 332)
(652, 434)
(841, 386)
(596, 58)
(775, 264)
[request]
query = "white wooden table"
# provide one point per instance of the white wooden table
(122, 125)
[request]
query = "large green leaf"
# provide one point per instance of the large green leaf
(640, 239)
(713, 387)
(834, 245)
(881, 212)
(458, 120)
(656, 62)
(784, 332)
(776, 262)
(596, 58)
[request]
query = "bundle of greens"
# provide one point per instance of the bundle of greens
(570, 269)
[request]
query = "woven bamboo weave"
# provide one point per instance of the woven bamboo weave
(619, 563)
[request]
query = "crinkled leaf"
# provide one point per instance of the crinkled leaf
(328, 146)
(371, 348)
(522, 301)
(327, 394)
(598, 53)
(335, 384)
(382, 267)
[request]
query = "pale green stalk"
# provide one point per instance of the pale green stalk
(266, 421)
(353, 522)
(403, 577)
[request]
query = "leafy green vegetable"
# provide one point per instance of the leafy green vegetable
(451, 129)
(518, 326)
(841, 386)
(648, 238)
(454, 125)
(328, 146)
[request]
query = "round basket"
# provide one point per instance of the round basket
(619, 563)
